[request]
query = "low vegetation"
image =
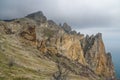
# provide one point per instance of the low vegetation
(48, 32)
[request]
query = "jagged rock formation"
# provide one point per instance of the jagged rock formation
(38, 17)
(66, 27)
(83, 57)
(96, 57)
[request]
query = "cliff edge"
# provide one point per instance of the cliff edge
(35, 48)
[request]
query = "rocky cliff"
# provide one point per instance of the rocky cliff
(77, 57)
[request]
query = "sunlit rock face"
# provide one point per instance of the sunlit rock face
(48, 37)
(96, 56)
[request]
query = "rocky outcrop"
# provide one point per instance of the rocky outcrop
(38, 17)
(66, 27)
(78, 54)
(96, 57)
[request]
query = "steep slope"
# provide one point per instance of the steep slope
(96, 56)
(38, 49)
(21, 62)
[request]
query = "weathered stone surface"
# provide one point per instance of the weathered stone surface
(96, 57)
(73, 32)
(50, 38)
(38, 17)
(51, 23)
(66, 27)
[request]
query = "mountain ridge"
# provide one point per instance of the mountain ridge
(72, 52)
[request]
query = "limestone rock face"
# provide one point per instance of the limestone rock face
(96, 57)
(69, 46)
(48, 37)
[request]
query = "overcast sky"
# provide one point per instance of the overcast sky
(86, 16)
(78, 13)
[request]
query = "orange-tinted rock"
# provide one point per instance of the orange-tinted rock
(48, 37)
(96, 57)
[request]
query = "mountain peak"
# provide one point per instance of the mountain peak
(99, 35)
(37, 16)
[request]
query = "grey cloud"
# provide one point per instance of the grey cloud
(77, 13)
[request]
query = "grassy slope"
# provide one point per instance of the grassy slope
(25, 60)
(28, 64)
